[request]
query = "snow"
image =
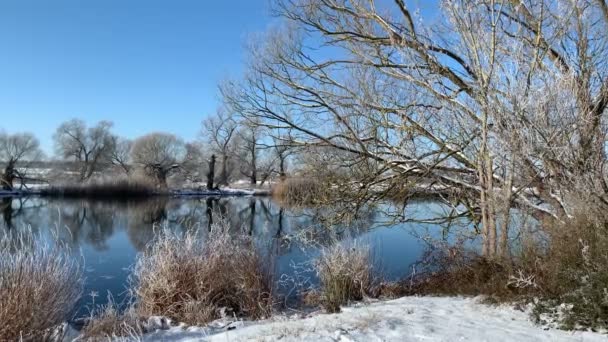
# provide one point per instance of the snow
(406, 319)
(221, 192)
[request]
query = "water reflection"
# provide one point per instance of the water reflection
(109, 235)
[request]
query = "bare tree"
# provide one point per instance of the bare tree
(120, 155)
(283, 148)
(220, 130)
(193, 166)
(15, 150)
(503, 100)
(91, 148)
(159, 155)
(249, 135)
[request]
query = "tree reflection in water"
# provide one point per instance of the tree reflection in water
(109, 234)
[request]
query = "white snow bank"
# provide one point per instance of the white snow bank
(405, 319)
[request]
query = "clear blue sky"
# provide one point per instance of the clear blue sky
(146, 65)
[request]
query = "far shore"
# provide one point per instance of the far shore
(191, 193)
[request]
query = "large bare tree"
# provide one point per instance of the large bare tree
(159, 155)
(219, 130)
(249, 136)
(194, 164)
(15, 150)
(90, 147)
(504, 100)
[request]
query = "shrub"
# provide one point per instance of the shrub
(563, 271)
(454, 270)
(300, 191)
(191, 281)
(111, 189)
(345, 274)
(107, 322)
(574, 271)
(39, 286)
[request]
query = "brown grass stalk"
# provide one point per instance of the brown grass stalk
(39, 287)
(345, 274)
(194, 281)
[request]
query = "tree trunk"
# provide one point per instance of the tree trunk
(211, 173)
(254, 171)
(254, 177)
(8, 177)
(487, 196)
(506, 212)
(282, 174)
(161, 178)
(224, 171)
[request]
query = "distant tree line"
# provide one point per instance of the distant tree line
(81, 152)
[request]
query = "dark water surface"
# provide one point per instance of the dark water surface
(108, 235)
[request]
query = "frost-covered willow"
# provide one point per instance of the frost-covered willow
(502, 100)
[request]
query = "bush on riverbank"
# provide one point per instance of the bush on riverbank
(345, 274)
(104, 189)
(564, 276)
(300, 192)
(194, 281)
(107, 322)
(573, 272)
(39, 286)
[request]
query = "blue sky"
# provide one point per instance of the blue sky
(146, 65)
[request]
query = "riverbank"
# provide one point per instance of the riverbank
(190, 193)
(404, 319)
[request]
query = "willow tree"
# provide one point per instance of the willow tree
(16, 149)
(504, 100)
(91, 148)
(159, 155)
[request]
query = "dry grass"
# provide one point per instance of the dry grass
(104, 189)
(107, 323)
(452, 270)
(300, 192)
(345, 274)
(39, 286)
(565, 274)
(194, 281)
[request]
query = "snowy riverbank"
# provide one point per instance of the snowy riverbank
(224, 192)
(405, 319)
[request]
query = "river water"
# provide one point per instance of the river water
(107, 236)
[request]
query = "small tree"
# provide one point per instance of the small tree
(90, 148)
(120, 155)
(14, 149)
(159, 154)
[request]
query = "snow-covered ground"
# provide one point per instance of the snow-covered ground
(405, 319)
